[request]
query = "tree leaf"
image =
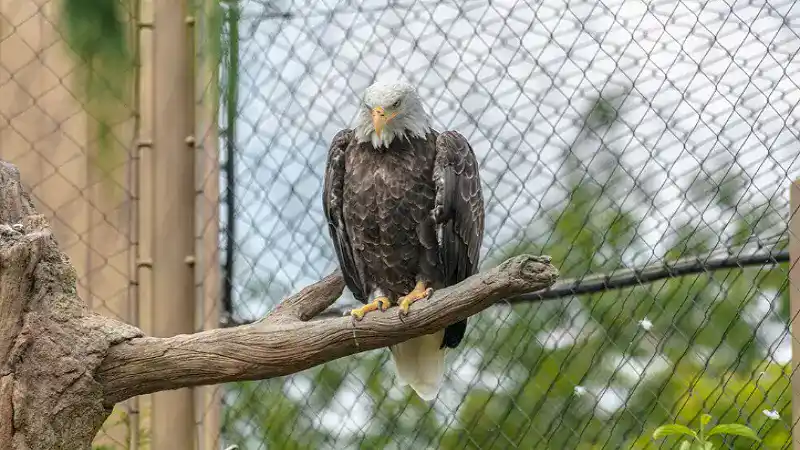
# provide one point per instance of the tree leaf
(705, 419)
(673, 430)
(686, 445)
(734, 429)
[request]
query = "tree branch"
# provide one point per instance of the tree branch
(63, 367)
(274, 348)
(309, 302)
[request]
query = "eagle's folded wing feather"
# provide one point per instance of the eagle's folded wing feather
(459, 216)
(332, 204)
(458, 210)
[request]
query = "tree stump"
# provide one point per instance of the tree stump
(50, 343)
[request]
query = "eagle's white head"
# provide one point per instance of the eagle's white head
(391, 110)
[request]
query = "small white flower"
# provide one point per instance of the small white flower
(580, 390)
(646, 324)
(772, 414)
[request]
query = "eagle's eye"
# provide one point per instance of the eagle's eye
(396, 104)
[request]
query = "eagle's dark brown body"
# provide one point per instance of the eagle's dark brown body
(413, 211)
(388, 203)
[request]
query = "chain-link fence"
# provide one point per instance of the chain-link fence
(78, 106)
(648, 147)
(612, 135)
(50, 133)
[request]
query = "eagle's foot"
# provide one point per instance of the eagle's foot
(420, 291)
(380, 303)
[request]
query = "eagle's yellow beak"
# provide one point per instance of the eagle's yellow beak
(379, 119)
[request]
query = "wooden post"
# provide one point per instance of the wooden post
(174, 209)
(794, 296)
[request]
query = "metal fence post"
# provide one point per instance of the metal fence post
(208, 420)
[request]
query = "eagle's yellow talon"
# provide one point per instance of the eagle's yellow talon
(420, 291)
(380, 303)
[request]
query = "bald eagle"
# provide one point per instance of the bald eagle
(405, 213)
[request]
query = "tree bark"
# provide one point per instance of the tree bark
(64, 367)
(51, 345)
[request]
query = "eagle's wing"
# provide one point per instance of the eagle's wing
(332, 204)
(458, 210)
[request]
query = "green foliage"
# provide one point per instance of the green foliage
(701, 440)
(97, 32)
(734, 429)
(674, 430)
(605, 110)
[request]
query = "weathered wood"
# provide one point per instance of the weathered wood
(50, 343)
(271, 349)
(309, 302)
(62, 367)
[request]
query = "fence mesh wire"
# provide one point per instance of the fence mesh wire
(46, 131)
(611, 135)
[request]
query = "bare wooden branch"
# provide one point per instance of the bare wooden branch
(309, 302)
(63, 367)
(270, 349)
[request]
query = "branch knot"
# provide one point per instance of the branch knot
(527, 269)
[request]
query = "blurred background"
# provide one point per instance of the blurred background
(647, 146)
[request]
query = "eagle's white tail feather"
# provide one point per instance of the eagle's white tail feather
(420, 363)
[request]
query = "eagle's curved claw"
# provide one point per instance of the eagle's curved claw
(420, 291)
(380, 303)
